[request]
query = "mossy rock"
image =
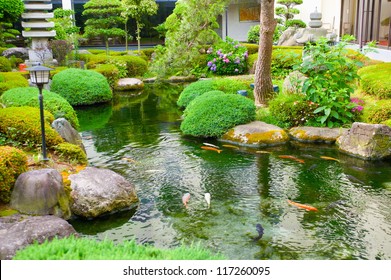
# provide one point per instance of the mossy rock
(22, 124)
(54, 103)
(315, 134)
(13, 162)
(257, 134)
(71, 152)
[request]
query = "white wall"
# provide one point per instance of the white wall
(236, 30)
(66, 4)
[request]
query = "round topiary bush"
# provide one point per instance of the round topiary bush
(71, 152)
(194, 90)
(377, 112)
(54, 103)
(135, 65)
(12, 80)
(13, 162)
(22, 124)
(81, 87)
(213, 114)
(375, 80)
(5, 64)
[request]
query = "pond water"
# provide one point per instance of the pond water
(139, 137)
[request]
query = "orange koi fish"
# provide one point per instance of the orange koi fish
(231, 146)
(211, 149)
(306, 207)
(211, 145)
(292, 158)
(263, 152)
(185, 199)
(329, 158)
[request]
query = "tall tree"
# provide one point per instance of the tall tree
(10, 11)
(104, 21)
(136, 9)
(263, 79)
(190, 27)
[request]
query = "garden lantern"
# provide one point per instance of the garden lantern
(39, 75)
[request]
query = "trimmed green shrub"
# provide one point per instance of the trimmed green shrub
(57, 70)
(110, 71)
(12, 80)
(82, 87)
(213, 114)
(292, 110)
(13, 162)
(251, 48)
(198, 88)
(253, 34)
(22, 124)
(94, 60)
(5, 64)
(72, 248)
(377, 112)
(375, 80)
(54, 103)
(194, 90)
(71, 152)
(136, 66)
(148, 52)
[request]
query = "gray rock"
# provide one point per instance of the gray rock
(40, 192)
(67, 132)
(366, 141)
(309, 134)
(287, 38)
(181, 79)
(22, 53)
(257, 134)
(129, 84)
(293, 82)
(19, 231)
(97, 191)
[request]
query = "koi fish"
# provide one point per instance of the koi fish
(263, 152)
(207, 198)
(185, 199)
(292, 158)
(129, 159)
(231, 146)
(312, 167)
(211, 145)
(260, 231)
(211, 149)
(329, 158)
(306, 207)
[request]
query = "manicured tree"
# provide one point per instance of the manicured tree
(10, 11)
(189, 28)
(287, 11)
(136, 9)
(104, 21)
(263, 79)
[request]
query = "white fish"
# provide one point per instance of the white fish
(207, 198)
(185, 199)
(211, 145)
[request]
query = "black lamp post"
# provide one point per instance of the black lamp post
(40, 75)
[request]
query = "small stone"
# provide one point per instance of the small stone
(129, 84)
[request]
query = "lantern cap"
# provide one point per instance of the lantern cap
(39, 67)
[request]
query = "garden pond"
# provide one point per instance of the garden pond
(139, 137)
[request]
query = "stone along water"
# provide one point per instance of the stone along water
(139, 137)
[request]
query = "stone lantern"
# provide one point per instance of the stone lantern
(37, 27)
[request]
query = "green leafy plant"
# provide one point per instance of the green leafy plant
(60, 49)
(228, 58)
(82, 87)
(13, 162)
(331, 76)
(253, 34)
(54, 103)
(213, 114)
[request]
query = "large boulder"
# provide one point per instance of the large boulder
(257, 134)
(97, 191)
(19, 231)
(366, 141)
(308, 134)
(288, 38)
(22, 53)
(67, 132)
(40, 192)
(125, 84)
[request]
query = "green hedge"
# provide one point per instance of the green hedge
(375, 80)
(213, 114)
(5, 64)
(227, 85)
(377, 112)
(82, 87)
(251, 48)
(54, 103)
(13, 162)
(110, 71)
(22, 124)
(12, 80)
(72, 248)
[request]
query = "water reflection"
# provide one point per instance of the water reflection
(140, 139)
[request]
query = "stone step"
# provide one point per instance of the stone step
(37, 24)
(38, 34)
(37, 15)
(38, 7)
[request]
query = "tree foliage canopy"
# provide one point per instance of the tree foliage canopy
(11, 10)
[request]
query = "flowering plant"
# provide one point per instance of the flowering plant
(227, 58)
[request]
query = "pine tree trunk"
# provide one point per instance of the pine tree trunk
(263, 89)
